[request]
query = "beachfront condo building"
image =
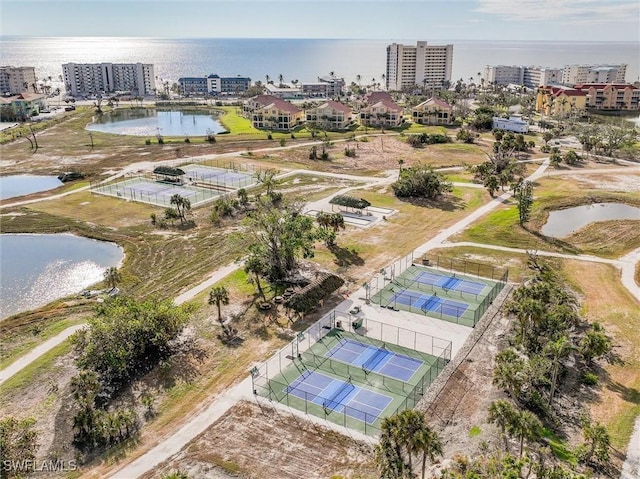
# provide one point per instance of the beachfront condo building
(422, 66)
(529, 76)
(97, 78)
(611, 96)
(214, 85)
(580, 74)
(15, 80)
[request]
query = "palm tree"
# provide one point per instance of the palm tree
(427, 442)
(557, 350)
(358, 79)
(182, 205)
(501, 413)
(219, 296)
(524, 425)
(280, 80)
(254, 265)
(400, 163)
(267, 78)
(384, 77)
(112, 277)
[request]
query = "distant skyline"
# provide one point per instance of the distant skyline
(393, 20)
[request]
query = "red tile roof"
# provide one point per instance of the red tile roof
(376, 96)
(279, 103)
(337, 106)
(436, 101)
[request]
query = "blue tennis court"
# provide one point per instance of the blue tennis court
(340, 396)
(450, 282)
(430, 303)
(372, 358)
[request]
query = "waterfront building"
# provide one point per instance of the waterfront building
(432, 112)
(314, 90)
(22, 106)
(503, 75)
(272, 113)
(529, 76)
(423, 65)
(580, 74)
(93, 78)
(335, 85)
(214, 85)
(380, 111)
(15, 80)
(513, 123)
(193, 85)
(331, 115)
(283, 90)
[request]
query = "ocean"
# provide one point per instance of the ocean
(297, 59)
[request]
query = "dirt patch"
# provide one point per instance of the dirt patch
(257, 442)
(626, 182)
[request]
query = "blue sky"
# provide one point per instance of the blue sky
(580, 20)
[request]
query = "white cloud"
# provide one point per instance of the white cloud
(591, 12)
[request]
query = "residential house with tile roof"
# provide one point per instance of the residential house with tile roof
(330, 115)
(22, 106)
(432, 112)
(560, 101)
(381, 111)
(268, 112)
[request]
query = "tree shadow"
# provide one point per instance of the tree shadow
(345, 256)
(444, 203)
(563, 245)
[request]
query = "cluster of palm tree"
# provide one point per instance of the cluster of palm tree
(548, 331)
(403, 437)
(93, 426)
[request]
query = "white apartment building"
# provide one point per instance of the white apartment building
(92, 78)
(422, 65)
(534, 77)
(529, 76)
(578, 74)
(503, 75)
(16, 80)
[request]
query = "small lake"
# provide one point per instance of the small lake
(19, 185)
(564, 222)
(151, 122)
(38, 269)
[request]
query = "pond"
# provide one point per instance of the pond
(19, 185)
(38, 269)
(151, 122)
(564, 222)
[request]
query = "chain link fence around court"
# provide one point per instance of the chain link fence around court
(394, 291)
(269, 380)
(144, 190)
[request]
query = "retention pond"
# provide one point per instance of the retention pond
(562, 223)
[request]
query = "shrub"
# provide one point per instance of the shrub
(147, 141)
(282, 142)
(187, 140)
(590, 379)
